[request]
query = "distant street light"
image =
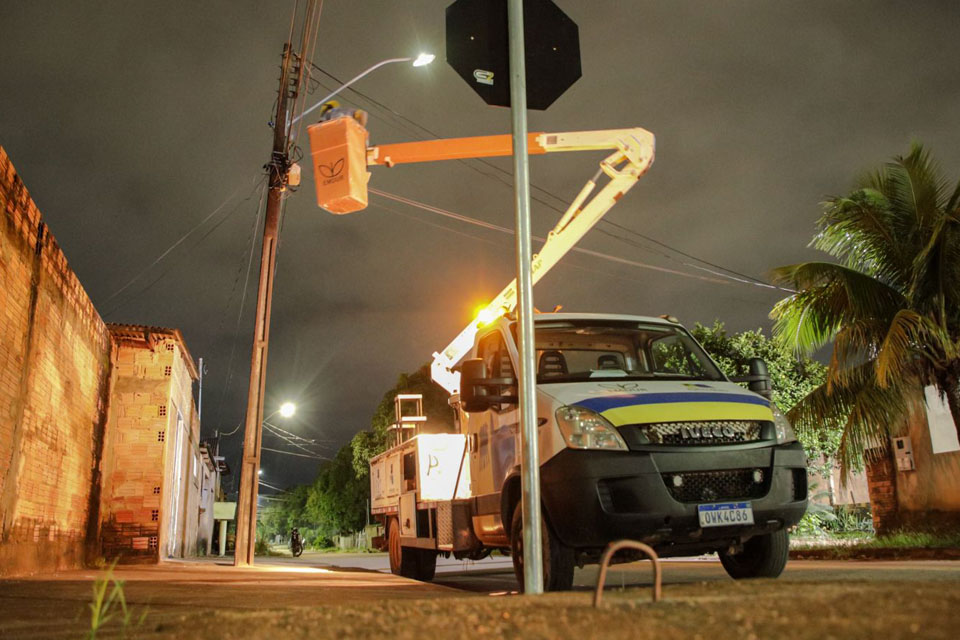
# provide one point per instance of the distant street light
(287, 409)
(421, 60)
(259, 472)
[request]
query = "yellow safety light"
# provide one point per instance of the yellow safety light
(485, 315)
(339, 153)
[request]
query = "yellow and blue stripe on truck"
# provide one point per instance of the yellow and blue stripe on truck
(680, 406)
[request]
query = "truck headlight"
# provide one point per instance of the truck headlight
(783, 430)
(586, 429)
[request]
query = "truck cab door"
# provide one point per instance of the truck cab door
(493, 442)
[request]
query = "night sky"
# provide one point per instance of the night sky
(131, 122)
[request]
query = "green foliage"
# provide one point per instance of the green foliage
(108, 596)
(792, 377)
(336, 502)
(338, 497)
(890, 304)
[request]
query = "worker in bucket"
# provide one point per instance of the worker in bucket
(332, 110)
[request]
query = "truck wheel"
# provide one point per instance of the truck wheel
(762, 557)
(403, 560)
(558, 559)
(426, 564)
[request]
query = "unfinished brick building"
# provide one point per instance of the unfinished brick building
(152, 474)
(99, 438)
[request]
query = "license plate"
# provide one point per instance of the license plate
(725, 514)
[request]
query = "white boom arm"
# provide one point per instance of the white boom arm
(633, 156)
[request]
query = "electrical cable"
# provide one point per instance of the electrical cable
(494, 227)
(565, 263)
(172, 266)
(293, 453)
(243, 300)
(752, 279)
(176, 244)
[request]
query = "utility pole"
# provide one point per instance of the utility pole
(253, 428)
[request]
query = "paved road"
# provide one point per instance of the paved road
(495, 575)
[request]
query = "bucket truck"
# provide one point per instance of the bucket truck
(641, 435)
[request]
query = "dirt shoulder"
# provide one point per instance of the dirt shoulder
(754, 609)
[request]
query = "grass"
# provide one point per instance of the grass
(900, 543)
(108, 602)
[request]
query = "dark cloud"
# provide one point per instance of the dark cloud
(132, 121)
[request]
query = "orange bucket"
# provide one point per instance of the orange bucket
(339, 154)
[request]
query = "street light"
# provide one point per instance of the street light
(278, 168)
(421, 60)
(287, 409)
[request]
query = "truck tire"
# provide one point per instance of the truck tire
(558, 559)
(763, 556)
(404, 561)
(426, 564)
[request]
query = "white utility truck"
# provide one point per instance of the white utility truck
(641, 436)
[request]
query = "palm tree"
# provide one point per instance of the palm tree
(890, 305)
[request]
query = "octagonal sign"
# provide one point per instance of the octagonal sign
(478, 50)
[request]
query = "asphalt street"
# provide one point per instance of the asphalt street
(495, 575)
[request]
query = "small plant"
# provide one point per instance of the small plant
(107, 597)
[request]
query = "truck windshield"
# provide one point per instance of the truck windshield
(578, 350)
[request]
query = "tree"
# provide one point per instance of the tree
(338, 498)
(792, 377)
(890, 305)
(368, 444)
(286, 512)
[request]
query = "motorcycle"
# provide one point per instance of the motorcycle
(296, 546)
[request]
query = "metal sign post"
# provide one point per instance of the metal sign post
(530, 463)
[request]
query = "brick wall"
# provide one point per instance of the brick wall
(54, 390)
(882, 482)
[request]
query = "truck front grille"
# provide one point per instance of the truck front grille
(710, 486)
(696, 433)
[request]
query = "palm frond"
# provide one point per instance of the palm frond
(855, 343)
(915, 186)
(860, 230)
(829, 296)
(867, 413)
(907, 330)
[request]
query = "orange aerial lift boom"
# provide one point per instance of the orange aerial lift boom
(340, 157)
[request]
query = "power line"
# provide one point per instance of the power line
(176, 244)
(494, 227)
(243, 300)
(173, 265)
(291, 453)
(561, 209)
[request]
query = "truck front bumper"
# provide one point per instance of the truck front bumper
(595, 497)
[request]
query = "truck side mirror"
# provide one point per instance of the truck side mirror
(473, 396)
(760, 378)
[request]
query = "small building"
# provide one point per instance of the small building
(915, 481)
(156, 479)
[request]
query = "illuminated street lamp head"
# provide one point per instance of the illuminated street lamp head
(287, 409)
(259, 472)
(423, 59)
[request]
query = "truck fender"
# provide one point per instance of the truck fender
(509, 497)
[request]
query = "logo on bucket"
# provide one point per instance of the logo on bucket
(331, 172)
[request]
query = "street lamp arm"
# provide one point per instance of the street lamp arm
(347, 84)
